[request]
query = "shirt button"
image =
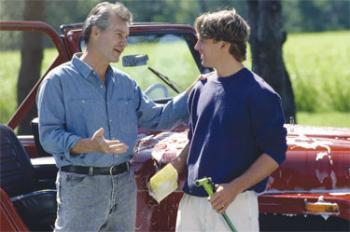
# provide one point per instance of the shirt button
(83, 101)
(110, 120)
(101, 86)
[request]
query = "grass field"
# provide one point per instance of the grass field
(318, 64)
(9, 61)
(335, 119)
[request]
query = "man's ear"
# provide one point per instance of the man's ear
(95, 32)
(225, 45)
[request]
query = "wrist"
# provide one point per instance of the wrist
(238, 185)
(82, 146)
(176, 163)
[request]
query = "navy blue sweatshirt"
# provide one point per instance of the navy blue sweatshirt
(233, 120)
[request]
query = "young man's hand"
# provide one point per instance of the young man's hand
(225, 194)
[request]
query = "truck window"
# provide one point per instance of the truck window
(166, 54)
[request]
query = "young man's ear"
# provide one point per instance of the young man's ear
(225, 45)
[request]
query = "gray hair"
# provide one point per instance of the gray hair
(99, 16)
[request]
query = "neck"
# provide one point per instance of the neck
(96, 62)
(229, 67)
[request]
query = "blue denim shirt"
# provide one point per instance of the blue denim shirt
(73, 103)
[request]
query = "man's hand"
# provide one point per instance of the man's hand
(98, 143)
(226, 193)
(199, 78)
(105, 145)
(224, 196)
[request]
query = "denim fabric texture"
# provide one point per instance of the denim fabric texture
(96, 203)
(73, 104)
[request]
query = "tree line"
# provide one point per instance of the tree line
(298, 15)
(269, 17)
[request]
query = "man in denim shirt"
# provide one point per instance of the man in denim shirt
(89, 114)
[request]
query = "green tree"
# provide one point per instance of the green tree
(267, 38)
(316, 15)
(31, 57)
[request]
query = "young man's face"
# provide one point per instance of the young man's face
(209, 50)
(111, 42)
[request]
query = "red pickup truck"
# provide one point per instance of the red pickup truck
(310, 191)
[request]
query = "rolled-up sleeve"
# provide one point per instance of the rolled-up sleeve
(51, 110)
(267, 117)
(157, 116)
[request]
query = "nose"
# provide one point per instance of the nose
(124, 41)
(197, 46)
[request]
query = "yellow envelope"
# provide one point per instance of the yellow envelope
(163, 183)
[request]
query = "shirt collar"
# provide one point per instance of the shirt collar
(83, 68)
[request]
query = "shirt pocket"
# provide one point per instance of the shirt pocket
(85, 113)
(126, 112)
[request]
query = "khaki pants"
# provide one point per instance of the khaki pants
(197, 214)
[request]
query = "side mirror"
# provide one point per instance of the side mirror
(134, 60)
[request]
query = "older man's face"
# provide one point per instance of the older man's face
(111, 42)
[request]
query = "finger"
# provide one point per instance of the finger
(201, 77)
(99, 133)
(218, 203)
(114, 148)
(215, 199)
(222, 209)
(118, 148)
(111, 142)
(98, 136)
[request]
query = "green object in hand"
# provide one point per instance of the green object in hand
(209, 187)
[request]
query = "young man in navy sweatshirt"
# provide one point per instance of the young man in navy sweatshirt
(236, 133)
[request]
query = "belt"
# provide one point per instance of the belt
(91, 171)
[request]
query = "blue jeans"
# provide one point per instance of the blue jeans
(96, 203)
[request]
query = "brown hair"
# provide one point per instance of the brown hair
(99, 16)
(228, 26)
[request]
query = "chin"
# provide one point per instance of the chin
(115, 60)
(204, 64)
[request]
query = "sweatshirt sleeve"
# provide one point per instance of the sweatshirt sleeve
(267, 117)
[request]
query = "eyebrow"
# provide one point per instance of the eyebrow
(118, 30)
